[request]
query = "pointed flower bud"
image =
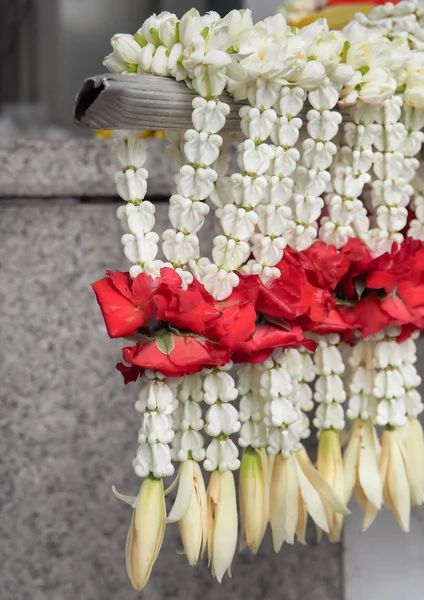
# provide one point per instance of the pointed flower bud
(298, 490)
(397, 478)
(414, 446)
(146, 532)
(253, 498)
(190, 510)
(361, 460)
(330, 466)
(223, 523)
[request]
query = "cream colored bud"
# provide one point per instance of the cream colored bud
(414, 446)
(253, 499)
(222, 523)
(146, 532)
(191, 510)
(284, 501)
(394, 473)
(330, 466)
(361, 459)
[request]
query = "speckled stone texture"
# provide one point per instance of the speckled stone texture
(69, 431)
(74, 167)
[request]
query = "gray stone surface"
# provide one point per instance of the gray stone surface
(68, 432)
(73, 167)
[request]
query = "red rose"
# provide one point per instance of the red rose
(334, 321)
(360, 261)
(283, 297)
(191, 309)
(129, 373)
(266, 338)
(237, 320)
(368, 315)
(126, 305)
(175, 355)
(324, 265)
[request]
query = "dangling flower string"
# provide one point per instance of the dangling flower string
(329, 420)
(190, 507)
(191, 316)
(221, 459)
(362, 454)
(156, 403)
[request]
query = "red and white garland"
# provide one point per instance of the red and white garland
(272, 298)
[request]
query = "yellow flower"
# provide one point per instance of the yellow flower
(146, 531)
(190, 510)
(330, 466)
(253, 498)
(361, 461)
(222, 523)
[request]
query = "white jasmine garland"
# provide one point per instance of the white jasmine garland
(329, 389)
(394, 362)
(373, 70)
(296, 488)
(362, 454)
(190, 507)
(137, 217)
(221, 420)
(347, 216)
(156, 403)
(416, 226)
(221, 458)
(329, 420)
(195, 181)
(391, 190)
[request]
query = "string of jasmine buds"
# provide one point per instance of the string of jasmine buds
(190, 507)
(312, 175)
(238, 218)
(347, 216)
(195, 181)
(274, 213)
(137, 217)
(391, 190)
(391, 414)
(255, 467)
(413, 434)
(362, 454)
(416, 226)
(221, 194)
(414, 120)
(329, 420)
(296, 487)
(156, 403)
(222, 459)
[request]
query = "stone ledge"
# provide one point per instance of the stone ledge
(74, 167)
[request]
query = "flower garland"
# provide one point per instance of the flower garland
(271, 294)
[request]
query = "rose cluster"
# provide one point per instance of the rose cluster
(180, 329)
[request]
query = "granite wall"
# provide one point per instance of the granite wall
(69, 431)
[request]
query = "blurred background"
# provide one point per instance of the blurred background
(68, 428)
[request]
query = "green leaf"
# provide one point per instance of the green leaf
(140, 40)
(345, 50)
(364, 70)
(400, 89)
(342, 302)
(131, 68)
(205, 32)
(165, 342)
